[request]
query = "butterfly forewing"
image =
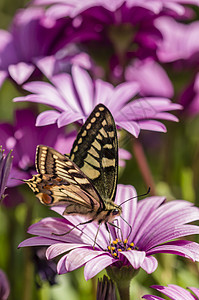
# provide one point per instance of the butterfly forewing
(95, 151)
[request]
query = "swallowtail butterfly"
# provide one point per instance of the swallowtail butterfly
(86, 180)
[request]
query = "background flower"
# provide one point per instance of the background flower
(106, 289)
(75, 105)
(5, 167)
(4, 286)
(31, 37)
(23, 137)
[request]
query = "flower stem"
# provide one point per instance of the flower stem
(122, 277)
(143, 165)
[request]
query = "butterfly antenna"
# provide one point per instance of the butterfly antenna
(142, 195)
(128, 225)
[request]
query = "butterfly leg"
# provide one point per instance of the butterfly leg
(76, 226)
(109, 232)
(116, 226)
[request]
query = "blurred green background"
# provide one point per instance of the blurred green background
(174, 163)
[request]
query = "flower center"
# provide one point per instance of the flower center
(118, 245)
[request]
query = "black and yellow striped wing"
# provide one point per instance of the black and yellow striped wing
(95, 151)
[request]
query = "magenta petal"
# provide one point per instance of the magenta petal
(149, 264)
(174, 292)
(183, 248)
(94, 266)
(61, 268)
(103, 92)
(64, 84)
(144, 210)
(152, 125)
(125, 193)
(166, 116)
(135, 257)
(79, 257)
(60, 248)
(124, 154)
(21, 71)
(68, 117)
(45, 93)
(46, 65)
(131, 127)
(84, 86)
(37, 241)
(4, 286)
(122, 94)
(47, 117)
(172, 233)
(195, 291)
(48, 227)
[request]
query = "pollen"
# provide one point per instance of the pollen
(115, 242)
(118, 246)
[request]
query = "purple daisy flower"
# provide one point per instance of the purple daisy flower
(23, 137)
(151, 226)
(5, 167)
(74, 97)
(41, 36)
(122, 30)
(4, 286)
(174, 292)
(179, 42)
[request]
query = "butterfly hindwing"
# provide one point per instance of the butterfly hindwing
(64, 179)
(95, 151)
(52, 190)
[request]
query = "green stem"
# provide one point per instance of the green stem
(124, 291)
(122, 277)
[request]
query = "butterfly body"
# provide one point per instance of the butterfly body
(85, 182)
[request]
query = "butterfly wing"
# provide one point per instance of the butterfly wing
(95, 151)
(51, 191)
(62, 181)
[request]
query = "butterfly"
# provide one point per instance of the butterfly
(86, 180)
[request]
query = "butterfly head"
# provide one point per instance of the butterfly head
(113, 209)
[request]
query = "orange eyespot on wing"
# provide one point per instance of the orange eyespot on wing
(45, 199)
